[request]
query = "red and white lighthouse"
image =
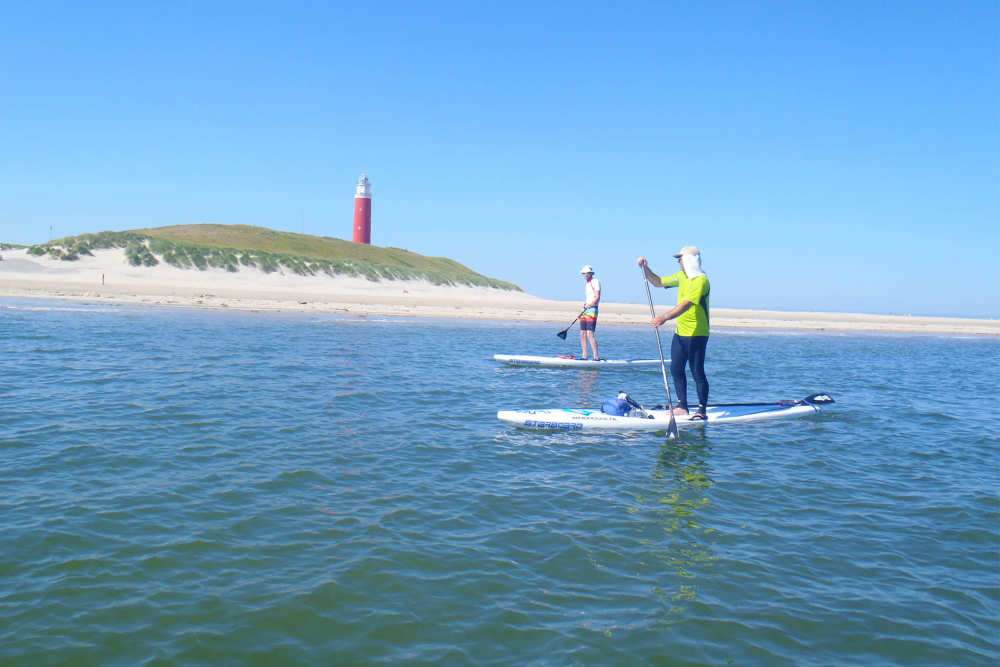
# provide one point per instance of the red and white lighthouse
(363, 211)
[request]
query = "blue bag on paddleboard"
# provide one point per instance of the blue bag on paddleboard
(622, 406)
(616, 406)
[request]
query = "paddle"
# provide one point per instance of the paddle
(811, 399)
(562, 334)
(672, 428)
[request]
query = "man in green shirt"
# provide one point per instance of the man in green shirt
(691, 337)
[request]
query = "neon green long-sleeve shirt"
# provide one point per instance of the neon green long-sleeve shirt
(694, 320)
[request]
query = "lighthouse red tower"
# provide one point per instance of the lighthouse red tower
(363, 211)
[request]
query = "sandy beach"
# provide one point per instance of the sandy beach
(107, 277)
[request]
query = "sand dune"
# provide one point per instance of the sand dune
(107, 277)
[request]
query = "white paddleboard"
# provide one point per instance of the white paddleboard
(572, 362)
(658, 420)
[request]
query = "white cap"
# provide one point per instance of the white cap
(688, 250)
(587, 268)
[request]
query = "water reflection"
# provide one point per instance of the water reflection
(682, 476)
(581, 387)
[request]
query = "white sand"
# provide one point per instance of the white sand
(107, 277)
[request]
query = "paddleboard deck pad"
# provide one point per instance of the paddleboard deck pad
(658, 419)
(572, 362)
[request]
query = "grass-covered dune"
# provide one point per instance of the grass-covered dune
(233, 247)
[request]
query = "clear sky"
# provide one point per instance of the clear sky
(829, 156)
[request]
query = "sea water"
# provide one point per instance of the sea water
(202, 487)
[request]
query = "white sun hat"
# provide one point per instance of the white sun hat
(688, 250)
(587, 268)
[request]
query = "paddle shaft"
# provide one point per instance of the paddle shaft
(672, 429)
(659, 347)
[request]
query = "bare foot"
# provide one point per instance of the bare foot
(680, 411)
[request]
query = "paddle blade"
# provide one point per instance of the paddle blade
(562, 334)
(672, 429)
(819, 399)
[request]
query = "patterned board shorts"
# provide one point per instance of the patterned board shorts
(588, 320)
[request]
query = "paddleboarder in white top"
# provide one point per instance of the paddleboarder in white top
(588, 318)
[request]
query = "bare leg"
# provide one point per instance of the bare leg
(583, 344)
(593, 344)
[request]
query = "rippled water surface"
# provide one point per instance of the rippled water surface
(211, 487)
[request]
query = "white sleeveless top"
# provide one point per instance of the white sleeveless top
(593, 286)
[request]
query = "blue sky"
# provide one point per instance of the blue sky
(824, 156)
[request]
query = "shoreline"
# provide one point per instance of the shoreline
(108, 278)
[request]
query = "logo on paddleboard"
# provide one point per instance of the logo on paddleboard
(563, 425)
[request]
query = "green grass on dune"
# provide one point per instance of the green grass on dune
(232, 247)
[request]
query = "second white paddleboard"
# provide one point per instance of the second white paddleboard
(572, 362)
